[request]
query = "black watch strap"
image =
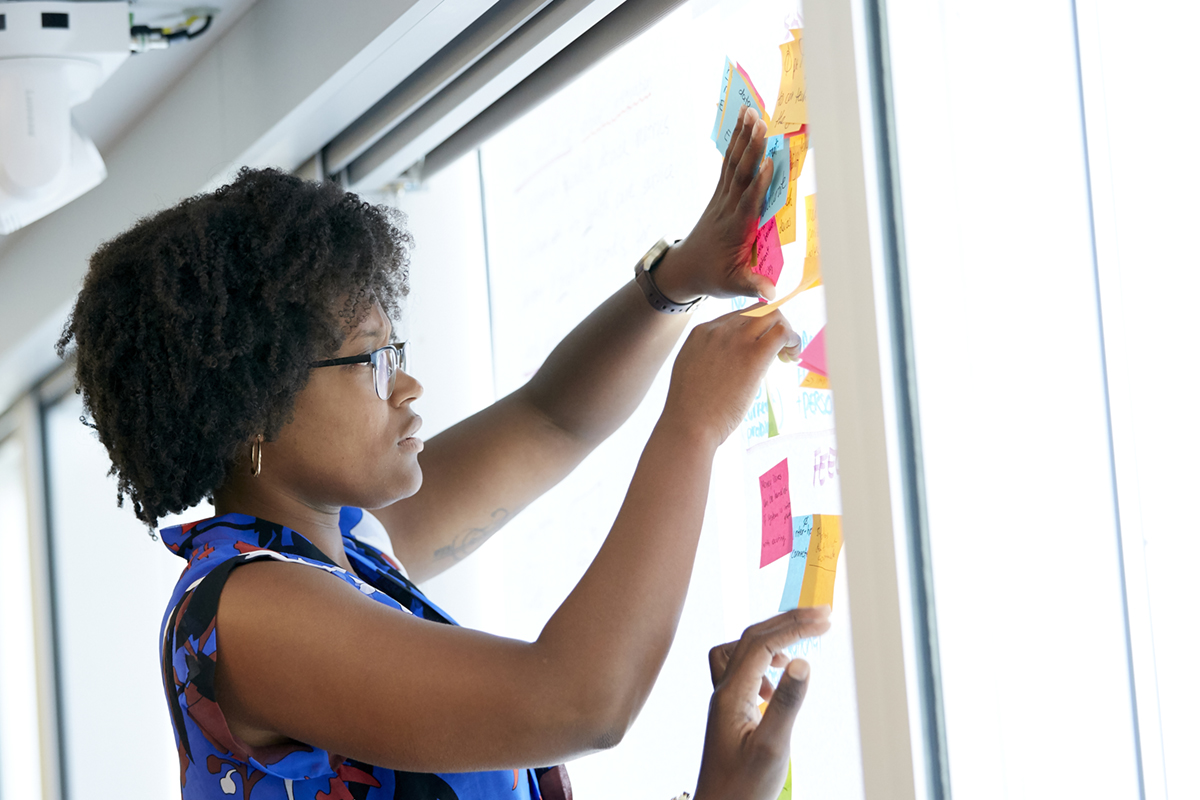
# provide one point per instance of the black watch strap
(642, 276)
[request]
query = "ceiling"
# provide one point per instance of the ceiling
(145, 77)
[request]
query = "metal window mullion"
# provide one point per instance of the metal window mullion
(933, 720)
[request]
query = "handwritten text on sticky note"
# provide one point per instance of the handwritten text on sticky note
(776, 514)
(740, 92)
(821, 568)
(768, 254)
(801, 532)
(721, 99)
(779, 154)
(791, 108)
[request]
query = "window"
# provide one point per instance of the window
(20, 754)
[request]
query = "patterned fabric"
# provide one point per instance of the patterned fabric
(213, 763)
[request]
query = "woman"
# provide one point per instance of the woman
(239, 347)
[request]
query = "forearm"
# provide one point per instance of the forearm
(595, 378)
(612, 633)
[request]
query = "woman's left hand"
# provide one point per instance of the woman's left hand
(715, 258)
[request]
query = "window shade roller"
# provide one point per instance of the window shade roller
(623, 24)
(480, 38)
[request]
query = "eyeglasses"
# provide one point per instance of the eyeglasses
(385, 363)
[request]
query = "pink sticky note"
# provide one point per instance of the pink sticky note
(776, 514)
(812, 358)
(768, 252)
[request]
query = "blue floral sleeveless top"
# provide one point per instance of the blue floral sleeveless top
(213, 763)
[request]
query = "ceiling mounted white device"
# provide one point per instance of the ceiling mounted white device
(53, 55)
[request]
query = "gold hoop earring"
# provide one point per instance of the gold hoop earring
(256, 456)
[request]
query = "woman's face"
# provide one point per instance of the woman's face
(344, 446)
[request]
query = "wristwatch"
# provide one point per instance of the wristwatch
(642, 275)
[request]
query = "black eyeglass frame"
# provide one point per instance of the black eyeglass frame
(375, 359)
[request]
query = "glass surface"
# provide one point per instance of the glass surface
(112, 583)
(20, 753)
(1008, 358)
(575, 192)
(1139, 69)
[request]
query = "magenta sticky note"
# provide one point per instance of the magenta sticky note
(776, 514)
(768, 252)
(812, 357)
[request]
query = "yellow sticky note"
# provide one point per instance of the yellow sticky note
(814, 380)
(824, 545)
(785, 220)
(791, 108)
(812, 255)
(762, 311)
(786, 794)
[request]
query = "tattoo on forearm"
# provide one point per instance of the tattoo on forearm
(469, 542)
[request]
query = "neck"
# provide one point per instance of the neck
(318, 524)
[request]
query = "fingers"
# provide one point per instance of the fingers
(753, 144)
(761, 643)
(730, 162)
(775, 730)
(752, 198)
(754, 285)
(718, 660)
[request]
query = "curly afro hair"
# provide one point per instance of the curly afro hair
(194, 328)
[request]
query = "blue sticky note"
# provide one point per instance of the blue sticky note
(721, 100)
(778, 150)
(801, 533)
(740, 94)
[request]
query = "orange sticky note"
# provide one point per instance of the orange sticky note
(824, 546)
(814, 380)
(812, 254)
(791, 107)
(786, 218)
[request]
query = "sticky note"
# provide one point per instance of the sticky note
(791, 108)
(798, 144)
(762, 311)
(801, 532)
(767, 255)
(824, 545)
(786, 218)
(786, 794)
(815, 380)
(812, 357)
(812, 257)
(776, 514)
(757, 97)
(721, 99)
(779, 153)
(740, 92)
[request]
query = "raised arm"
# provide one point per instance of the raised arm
(479, 473)
(391, 690)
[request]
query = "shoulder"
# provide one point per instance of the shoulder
(366, 528)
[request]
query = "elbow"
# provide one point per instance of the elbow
(604, 717)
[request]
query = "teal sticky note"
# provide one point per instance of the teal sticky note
(778, 151)
(721, 99)
(801, 533)
(740, 94)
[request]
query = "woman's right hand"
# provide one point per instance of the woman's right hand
(720, 367)
(746, 753)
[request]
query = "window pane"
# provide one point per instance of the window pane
(575, 192)
(112, 582)
(20, 756)
(1012, 405)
